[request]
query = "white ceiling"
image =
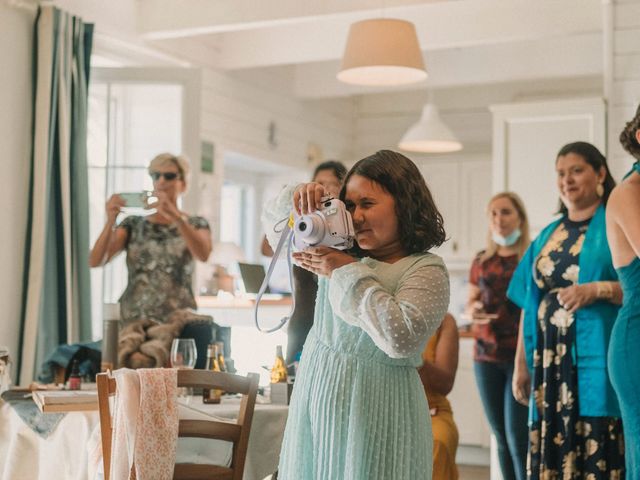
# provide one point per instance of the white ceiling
(300, 42)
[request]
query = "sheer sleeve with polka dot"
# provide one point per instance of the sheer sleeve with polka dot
(398, 316)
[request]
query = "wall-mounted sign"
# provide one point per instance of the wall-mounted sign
(206, 164)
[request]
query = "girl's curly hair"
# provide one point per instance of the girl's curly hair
(419, 221)
(628, 136)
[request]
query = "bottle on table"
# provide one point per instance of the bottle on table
(111, 326)
(279, 369)
(75, 381)
(220, 355)
(212, 395)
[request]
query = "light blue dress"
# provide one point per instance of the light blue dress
(359, 410)
(624, 361)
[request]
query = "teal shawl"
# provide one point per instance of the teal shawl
(593, 322)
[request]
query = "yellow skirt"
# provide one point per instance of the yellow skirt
(445, 445)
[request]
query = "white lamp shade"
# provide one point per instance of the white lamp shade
(430, 134)
(382, 52)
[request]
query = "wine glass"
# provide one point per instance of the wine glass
(183, 353)
(183, 356)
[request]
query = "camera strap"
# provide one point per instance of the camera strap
(285, 239)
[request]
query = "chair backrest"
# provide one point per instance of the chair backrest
(106, 388)
(237, 433)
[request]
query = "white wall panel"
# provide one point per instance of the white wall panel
(16, 42)
(237, 114)
(625, 81)
(526, 140)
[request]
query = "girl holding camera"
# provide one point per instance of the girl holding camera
(359, 410)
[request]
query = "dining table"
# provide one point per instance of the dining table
(39, 446)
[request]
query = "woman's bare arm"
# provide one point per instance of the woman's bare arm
(198, 240)
(111, 240)
(521, 382)
(473, 304)
(440, 375)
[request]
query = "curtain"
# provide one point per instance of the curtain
(57, 294)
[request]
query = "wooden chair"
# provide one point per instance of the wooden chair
(237, 433)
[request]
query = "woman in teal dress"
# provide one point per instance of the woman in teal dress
(623, 231)
(568, 290)
(359, 410)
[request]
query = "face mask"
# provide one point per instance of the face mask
(508, 240)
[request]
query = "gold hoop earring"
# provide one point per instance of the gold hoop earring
(600, 190)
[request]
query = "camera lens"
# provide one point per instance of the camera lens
(302, 226)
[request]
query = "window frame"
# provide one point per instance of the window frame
(190, 81)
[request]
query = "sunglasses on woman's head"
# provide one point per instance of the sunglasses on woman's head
(168, 176)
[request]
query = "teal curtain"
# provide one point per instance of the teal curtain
(57, 290)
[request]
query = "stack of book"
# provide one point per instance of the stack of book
(66, 400)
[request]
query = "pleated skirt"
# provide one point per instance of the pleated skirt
(354, 418)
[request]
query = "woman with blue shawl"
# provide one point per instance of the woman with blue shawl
(569, 293)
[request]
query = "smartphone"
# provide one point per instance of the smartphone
(137, 199)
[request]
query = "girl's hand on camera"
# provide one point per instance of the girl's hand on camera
(113, 207)
(322, 260)
(307, 196)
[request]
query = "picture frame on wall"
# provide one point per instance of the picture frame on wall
(207, 160)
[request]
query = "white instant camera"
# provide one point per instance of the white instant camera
(330, 226)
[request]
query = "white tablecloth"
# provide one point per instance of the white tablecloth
(63, 455)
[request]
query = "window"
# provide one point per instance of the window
(237, 214)
(133, 116)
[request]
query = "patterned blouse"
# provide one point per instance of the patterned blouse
(496, 340)
(160, 267)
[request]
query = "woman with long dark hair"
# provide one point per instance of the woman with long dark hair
(569, 293)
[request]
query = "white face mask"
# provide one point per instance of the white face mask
(508, 240)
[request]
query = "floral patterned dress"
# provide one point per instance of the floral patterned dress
(562, 444)
(160, 267)
(495, 341)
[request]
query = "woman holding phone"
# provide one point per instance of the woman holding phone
(160, 247)
(495, 327)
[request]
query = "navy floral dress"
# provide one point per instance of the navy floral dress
(160, 268)
(562, 444)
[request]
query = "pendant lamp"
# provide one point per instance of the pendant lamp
(382, 52)
(430, 134)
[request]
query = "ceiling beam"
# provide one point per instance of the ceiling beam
(578, 56)
(442, 25)
(161, 19)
